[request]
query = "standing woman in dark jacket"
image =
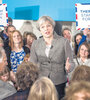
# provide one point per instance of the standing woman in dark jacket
(16, 50)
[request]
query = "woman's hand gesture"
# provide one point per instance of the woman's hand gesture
(68, 65)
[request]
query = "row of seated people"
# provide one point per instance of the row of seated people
(30, 87)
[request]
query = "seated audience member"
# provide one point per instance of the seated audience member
(16, 51)
(30, 37)
(67, 34)
(3, 61)
(27, 57)
(5, 75)
(78, 91)
(26, 75)
(9, 30)
(83, 56)
(81, 72)
(6, 89)
(85, 37)
(77, 39)
(43, 89)
(6, 34)
(3, 33)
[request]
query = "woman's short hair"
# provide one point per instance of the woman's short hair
(26, 33)
(66, 28)
(9, 26)
(78, 91)
(26, 75)
(43, 89)
(81, 72)
(44, 19)
(87, 46)
(32, 35)
(11, 44)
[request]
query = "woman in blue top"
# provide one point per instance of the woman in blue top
(17, 50)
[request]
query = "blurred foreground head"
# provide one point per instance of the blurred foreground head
(81, 73)
(43, 89)
(26, 75)
(78, 91)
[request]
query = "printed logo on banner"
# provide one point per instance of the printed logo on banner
(3, 15)
(82, 15)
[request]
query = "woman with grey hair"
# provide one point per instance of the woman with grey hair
(53, 54)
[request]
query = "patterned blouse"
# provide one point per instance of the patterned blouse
(16, 59)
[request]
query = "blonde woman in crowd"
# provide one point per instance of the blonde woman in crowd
(43, 89)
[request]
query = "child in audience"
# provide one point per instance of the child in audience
(5, 75)
(27, 57)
